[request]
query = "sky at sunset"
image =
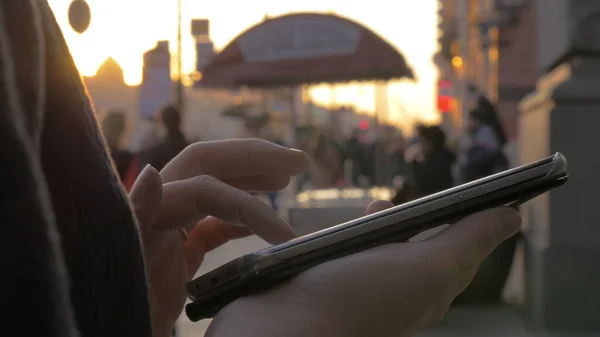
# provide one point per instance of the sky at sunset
(125, 29)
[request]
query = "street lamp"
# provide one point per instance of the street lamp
(179, 91)
(79, 16)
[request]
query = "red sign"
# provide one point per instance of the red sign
(444, 103)
(363, 124)
(445, 96)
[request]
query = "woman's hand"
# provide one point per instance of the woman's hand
(392, 290)
(197, 203)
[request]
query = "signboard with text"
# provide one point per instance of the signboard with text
(298, 38)
(305, 48)
(445, 97)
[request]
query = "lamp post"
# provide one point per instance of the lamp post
(179, 96)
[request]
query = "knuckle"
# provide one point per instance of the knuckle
(257, 141)
(246, 204)
(206, 179)
(250, 203)
(190, 150)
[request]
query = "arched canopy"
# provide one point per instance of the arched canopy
(304, 48)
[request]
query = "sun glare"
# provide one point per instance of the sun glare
(125, 29)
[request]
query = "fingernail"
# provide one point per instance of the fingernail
(147, 169)
(146, 172)
(283, 232)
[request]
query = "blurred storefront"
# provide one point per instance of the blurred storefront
(489, 44)
(544, 54)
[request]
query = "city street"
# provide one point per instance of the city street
(124, 123)
(462, 322)
(492, 321)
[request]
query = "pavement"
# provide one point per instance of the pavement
(221, 255)
(492, 321)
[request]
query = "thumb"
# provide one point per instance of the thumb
(146, 197)
(472, 239)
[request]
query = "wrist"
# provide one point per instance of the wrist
(161, 327)
(162, 323)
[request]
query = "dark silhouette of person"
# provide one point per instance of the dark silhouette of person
(488, 114)
(173, 142)
(113, 128)
(356, 151)
(483, 154)
(327, 164)
(431, 167)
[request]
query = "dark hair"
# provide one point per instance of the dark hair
(486, 113)
(472, 89)
(171, 118)
(435, 135)
(478, 115)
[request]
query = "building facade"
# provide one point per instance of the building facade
(492, 45)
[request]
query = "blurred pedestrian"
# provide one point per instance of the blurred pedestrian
(270, 135)
(113, 127)
(481, 148)
(172, 143)
(395, 156)
(326, 166)
(487, 113)
(356, 150)
(431, 166)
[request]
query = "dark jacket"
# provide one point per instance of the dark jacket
(122, 160)
(482, 162)
(357, 152)
(160, 155)
(433, 173)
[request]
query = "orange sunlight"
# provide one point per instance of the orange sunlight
(125, 29)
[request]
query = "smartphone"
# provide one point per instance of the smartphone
(269, 267)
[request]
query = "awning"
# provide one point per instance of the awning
(304, 48)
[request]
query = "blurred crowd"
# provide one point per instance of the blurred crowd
(418, 166)
(433, 165)
(157, 144)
